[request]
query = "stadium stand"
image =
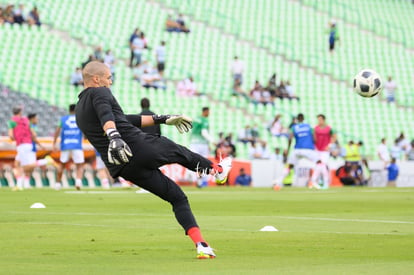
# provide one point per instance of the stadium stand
(295, 48)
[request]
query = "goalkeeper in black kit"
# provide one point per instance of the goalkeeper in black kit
(136, 156)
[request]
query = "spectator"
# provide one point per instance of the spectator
(245, 135)
(267, 97)
(8, 14)
(403, 143)
(145, 110)
(333, 36)
(91, 57)
(109, 60)
(255, 151)
(76, 78)
(410, 153)
(281, 90)
(181, 23)
(187, 87)
(2, 21)
(171, 25)
(290, 91)
(293, 122)
(255, 132)
(256, 93)
(383, 152)
(34, 18)
(395, 151)
(237, 89)
(237, 69)
(160, 55)
(277, 155)
(98, 54)
(393, 172)
(243, 179)
(265, 150)
(276, 128)
(139, 69)
(138, 46)
(134, 35)
(271, 85)
(152, 79)
(232, 147)
(389, 87)
(18, 15)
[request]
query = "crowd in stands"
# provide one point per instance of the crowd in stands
(16, 14)
(177, 25)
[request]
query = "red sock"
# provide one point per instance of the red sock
(195, 234)
(217, 167)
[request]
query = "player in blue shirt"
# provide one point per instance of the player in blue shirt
(393, 172)
(70, 146)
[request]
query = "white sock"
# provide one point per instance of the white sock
(20, 182)
(78, 182)
(58, 186)
(105, 183)
(41, 162)
(26, 182)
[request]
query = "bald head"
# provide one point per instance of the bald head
(96, 74)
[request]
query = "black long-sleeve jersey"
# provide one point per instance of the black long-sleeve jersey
(95, 107)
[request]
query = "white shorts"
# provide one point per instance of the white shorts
(201, 149)
(76, 155)
(298, 154)
(99, 163)
(323, 156)
(25, 154)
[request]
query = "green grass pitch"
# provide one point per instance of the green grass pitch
(337, 231)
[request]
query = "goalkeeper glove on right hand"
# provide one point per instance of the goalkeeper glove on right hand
(118, 150)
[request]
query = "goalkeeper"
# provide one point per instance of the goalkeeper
(136, 156)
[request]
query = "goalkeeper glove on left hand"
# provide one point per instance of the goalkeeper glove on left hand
(118, 150)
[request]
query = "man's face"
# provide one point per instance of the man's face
(34, 120)
(105, 80)
(321, 121)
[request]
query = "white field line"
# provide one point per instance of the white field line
(250, 216)
(207, 229)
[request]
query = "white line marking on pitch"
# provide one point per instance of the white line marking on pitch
(341, 220)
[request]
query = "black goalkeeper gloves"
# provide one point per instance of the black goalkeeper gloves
(118, 150)
(182, 122)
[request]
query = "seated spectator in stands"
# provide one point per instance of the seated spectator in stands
(281, 90)
(180, 21)
(267, 97)
(8, 14)
(396, 151)
(18, 15)
(265, 150)
(410, 153)
(255, 132)
(98, 54)
(389, 88)
(403, 143)
(109, 60)
(276, 128)
(243, 179)
(290, 93)
(171, 25)
(229, 140)
(271, 85)
(237, 90)
(76, 78)
(2, 21)
(34, 18)
(277, 155)
(187, 88)
(160, 56)
(255, 150)
(152, 79)
(245, 135)
(393, 172)
(139, 69)
(90, 58)
(256, 93)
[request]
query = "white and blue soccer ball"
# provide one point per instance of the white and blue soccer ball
(368, 83)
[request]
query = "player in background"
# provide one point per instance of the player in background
(70, 146)
(200, 140)
(304, 144)
(102, 171)
(20, 132)
(136, 156)
(323, 135)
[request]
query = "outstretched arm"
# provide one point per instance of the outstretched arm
(182, 122)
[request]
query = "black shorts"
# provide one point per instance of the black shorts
(331, 46)
(160, 66)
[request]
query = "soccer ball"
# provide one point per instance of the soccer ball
(367, 83)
